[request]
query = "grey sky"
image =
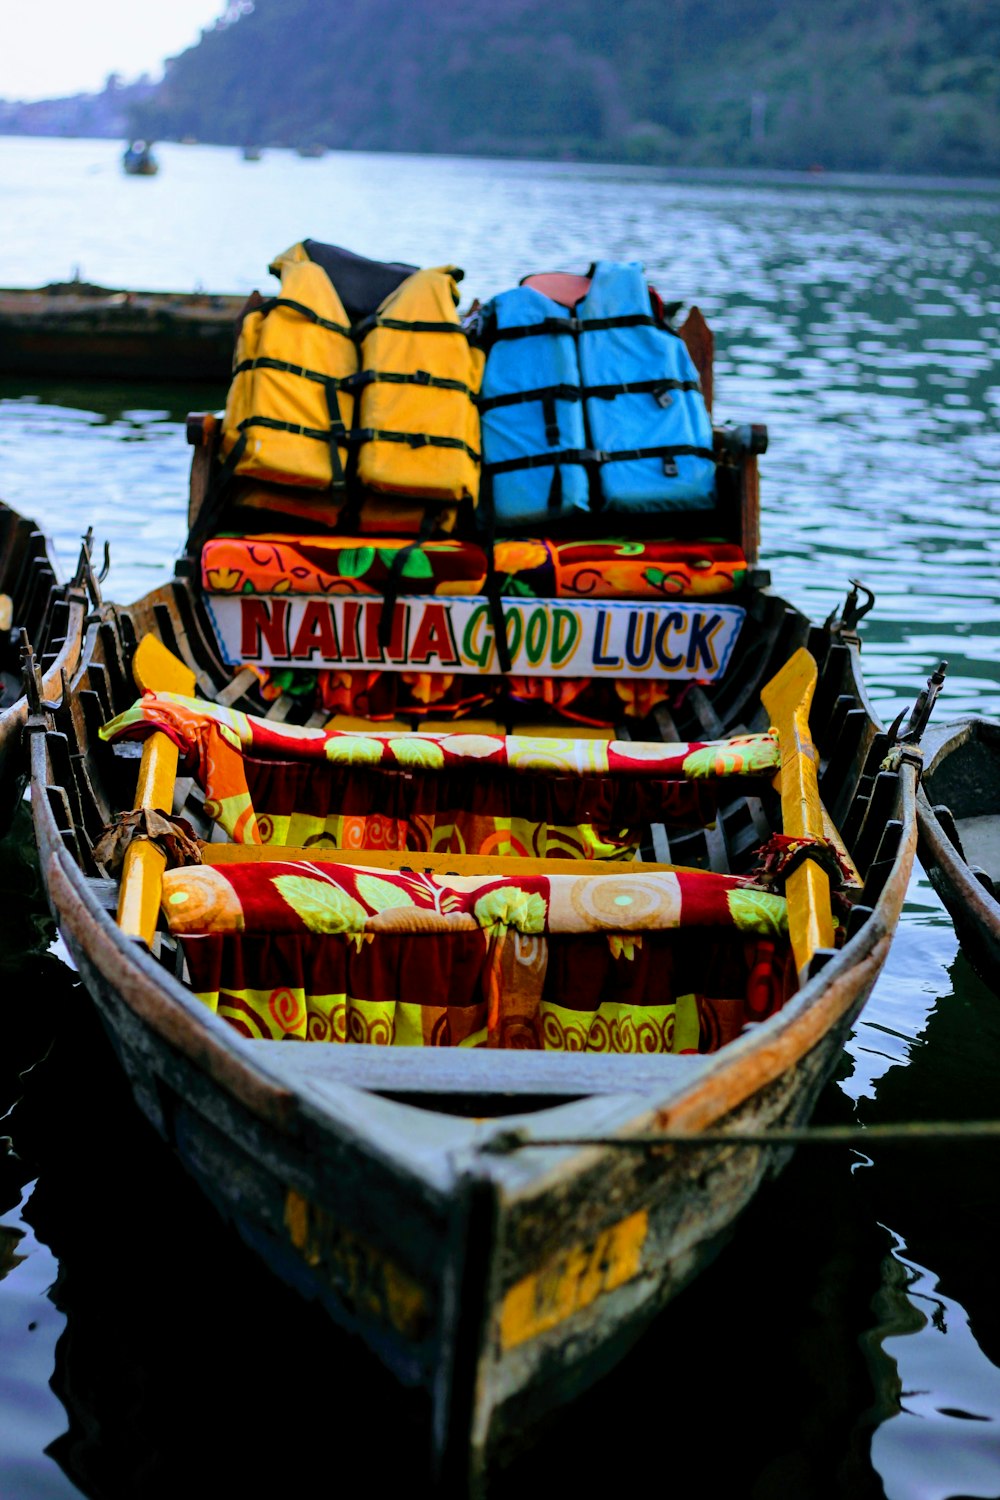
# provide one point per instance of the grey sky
(55, 47)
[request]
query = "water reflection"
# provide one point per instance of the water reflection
(941, 1431)
(934, 1348)
(36, 991)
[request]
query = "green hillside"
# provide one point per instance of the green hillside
(884, 85)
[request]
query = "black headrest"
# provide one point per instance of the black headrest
(361, 283)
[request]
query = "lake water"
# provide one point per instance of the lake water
(847, 1341)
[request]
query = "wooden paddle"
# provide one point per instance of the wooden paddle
(154, 669)
(788, 697)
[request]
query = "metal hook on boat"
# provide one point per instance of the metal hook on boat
(34, 685)
(845, 625)
(83, 562)
(905, 746)
(85, 576)
(923, 707)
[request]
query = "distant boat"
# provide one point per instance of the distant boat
(252, 153)
(313, 150)
(74, 328)
(139, 160)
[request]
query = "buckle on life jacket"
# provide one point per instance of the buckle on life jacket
(417, 439)
(670, 468)
(662, 396)
(421, 377)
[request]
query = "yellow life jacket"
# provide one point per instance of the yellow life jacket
(418, 421)
(290, 405)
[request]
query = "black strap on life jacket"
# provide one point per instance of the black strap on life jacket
(574, 326)
(307, 312)
(268, 362)
(338, 435)
(660, 388)
(418, 377)
(394, 581)
(551, 418)
(486, 524)
(405, 325)
(596, 456)
(412, 439)
(540, 393)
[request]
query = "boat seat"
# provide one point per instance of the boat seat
(272, 783)
(618, 960)
(273, 563)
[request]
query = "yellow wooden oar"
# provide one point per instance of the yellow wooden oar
(156, 669)
(788, 697)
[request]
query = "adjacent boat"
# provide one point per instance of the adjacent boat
(138, 160)
(607, 1054)
(958, 811)
(78, 329)
(33, 602)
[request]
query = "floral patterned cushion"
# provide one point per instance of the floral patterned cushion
(616, 961)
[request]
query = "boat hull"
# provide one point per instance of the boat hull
(958, 809)
(51, 618)
(99, 333)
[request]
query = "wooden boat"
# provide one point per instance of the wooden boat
(31, 600)
(498, 1220)
(77, 328)
(958, 812)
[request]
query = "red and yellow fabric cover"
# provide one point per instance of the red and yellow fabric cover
(274, 783)
(380, 696)
(662, 962)
(274, 564)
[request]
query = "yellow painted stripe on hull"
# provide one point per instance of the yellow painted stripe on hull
(572, 1280)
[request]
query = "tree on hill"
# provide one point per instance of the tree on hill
(908, 85)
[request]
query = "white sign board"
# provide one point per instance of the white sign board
(546, 637)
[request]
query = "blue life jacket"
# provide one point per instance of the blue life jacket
(598, 409)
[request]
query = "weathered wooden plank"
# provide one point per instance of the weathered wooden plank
(470, 1070)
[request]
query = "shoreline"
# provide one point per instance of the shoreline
(658, 171)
